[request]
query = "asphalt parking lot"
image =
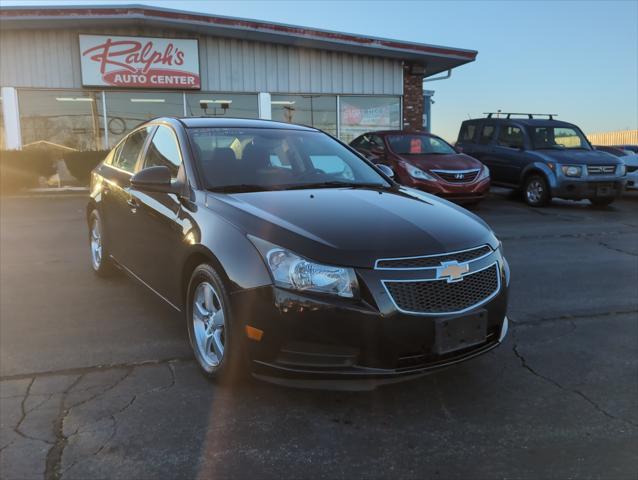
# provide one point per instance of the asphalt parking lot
(96, 379)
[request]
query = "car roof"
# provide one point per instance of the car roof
(397, 132)
(215, 122)
(528, 122)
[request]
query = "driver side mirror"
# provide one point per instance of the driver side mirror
(153, 179)
(387, 171)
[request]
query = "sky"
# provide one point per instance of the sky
(578, 59)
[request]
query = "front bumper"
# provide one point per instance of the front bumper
(320, 342)
(456, 192)
(578, 189)
(360, 378)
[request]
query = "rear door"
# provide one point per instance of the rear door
(155, 223)
(509, 155)
(484, 151)
(116, 193)
(467, 136)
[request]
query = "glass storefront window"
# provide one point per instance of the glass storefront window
(232, 105)
(361, 114)
(319, 111)
(70, 118)
(2, 137)
(127, 110)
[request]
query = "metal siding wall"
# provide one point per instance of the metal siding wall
(622, 137)
(51, 59)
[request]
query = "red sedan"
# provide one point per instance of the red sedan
(427, 162)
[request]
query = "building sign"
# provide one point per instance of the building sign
(362, 114)
(139, 62)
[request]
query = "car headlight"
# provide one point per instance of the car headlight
(621, 169)
(485, 173)
(291, 271)
(571, 170)
(417, 173)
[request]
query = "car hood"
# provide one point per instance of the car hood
(584, 157)
(630, 160)
(353, 227)
(452, 161)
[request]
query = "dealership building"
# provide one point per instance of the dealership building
(82, 77)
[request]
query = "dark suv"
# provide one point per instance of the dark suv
(543, 157)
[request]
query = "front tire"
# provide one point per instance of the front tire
(213, 332)
(536, 191)
(100, 261)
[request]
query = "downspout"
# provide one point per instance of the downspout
(427, 100)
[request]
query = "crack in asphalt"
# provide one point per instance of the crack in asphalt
(117, 382)
(112, 416)
(620, 250)
(570, 317)
(23, 415)
(525, 364)
(93, 368)
(54, 455)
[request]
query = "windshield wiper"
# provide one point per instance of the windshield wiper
(334, 184)
(241, 187)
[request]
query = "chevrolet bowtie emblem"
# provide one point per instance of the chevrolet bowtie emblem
(452, 271)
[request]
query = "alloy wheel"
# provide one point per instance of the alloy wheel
(535, 191)
(96, 244)
(209, 324)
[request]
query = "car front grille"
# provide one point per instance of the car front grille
(457, 176)
(432, 261)
(443, 297)
(601, 169)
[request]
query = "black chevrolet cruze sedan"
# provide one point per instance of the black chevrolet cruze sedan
(292, 257)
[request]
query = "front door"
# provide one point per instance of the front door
(156, 228)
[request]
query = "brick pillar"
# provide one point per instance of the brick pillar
(412, 100)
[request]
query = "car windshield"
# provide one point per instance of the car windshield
(419, 145)
(559, 138)
(252, 159)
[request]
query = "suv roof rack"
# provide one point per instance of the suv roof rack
(529, 115)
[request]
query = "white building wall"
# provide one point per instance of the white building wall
(51, 59)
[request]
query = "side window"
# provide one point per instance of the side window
(112, 158)
(468, 131)
(487, 132)
(510, 136)
(130, 150)
(377, 142)
(357, 142)
(363, 142)
(164, 151)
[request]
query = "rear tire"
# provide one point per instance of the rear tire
(213, 332)
(536, 191)
(100, 260)
(602, 201)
